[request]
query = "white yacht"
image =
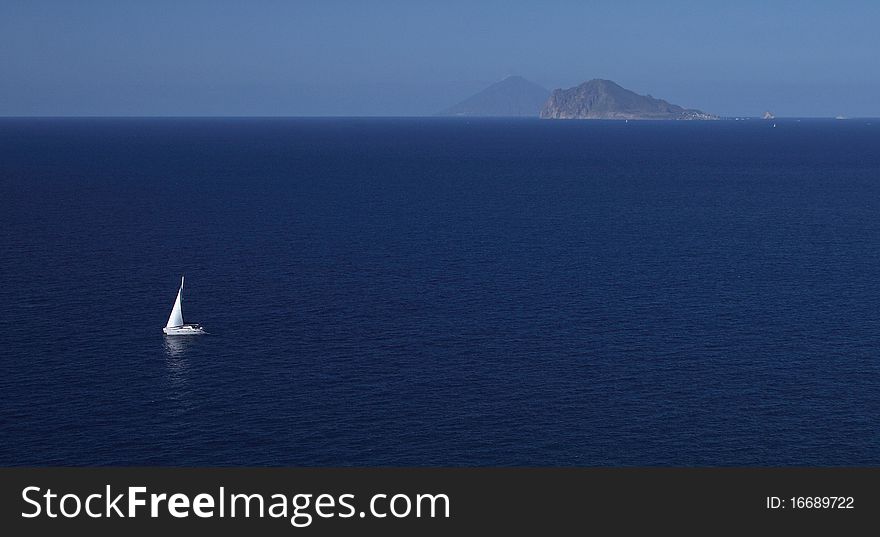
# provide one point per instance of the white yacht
(176, 326)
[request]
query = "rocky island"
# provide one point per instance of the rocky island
(604, 99)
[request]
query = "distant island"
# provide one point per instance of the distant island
(597, 99)
(512, 97)
(603, 99)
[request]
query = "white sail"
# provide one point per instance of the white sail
(176, 317)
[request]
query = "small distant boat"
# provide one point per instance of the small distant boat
(176, 326)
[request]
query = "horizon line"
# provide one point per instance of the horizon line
(371, 116)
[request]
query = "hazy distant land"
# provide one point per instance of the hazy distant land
(512, 97)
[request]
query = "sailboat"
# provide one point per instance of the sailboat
(176, 326)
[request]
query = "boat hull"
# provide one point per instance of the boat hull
(185, 330)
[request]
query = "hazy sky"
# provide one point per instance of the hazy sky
(389, 57)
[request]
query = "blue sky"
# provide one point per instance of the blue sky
(413, 58)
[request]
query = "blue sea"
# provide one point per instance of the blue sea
(426, 291)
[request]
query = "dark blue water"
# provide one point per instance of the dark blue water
(440, 292)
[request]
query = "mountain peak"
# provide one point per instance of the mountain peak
(513, 96)
(602, 82)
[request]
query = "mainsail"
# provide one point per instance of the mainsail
(176, 317)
